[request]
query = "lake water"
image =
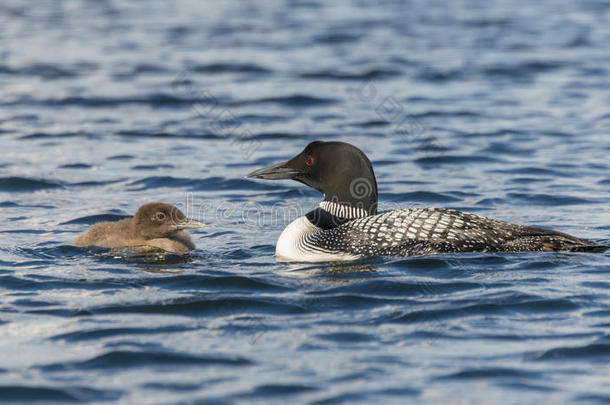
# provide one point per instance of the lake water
(497, 108)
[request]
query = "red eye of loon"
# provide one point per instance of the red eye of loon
(309, 161)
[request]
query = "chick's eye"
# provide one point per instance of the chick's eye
(160, 216)
(309, 161)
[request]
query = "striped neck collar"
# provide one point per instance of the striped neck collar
(342, 211)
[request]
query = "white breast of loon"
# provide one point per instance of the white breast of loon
(308, 239)
(297, 243)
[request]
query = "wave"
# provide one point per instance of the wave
(35, 394)
(122, 359)
(336, 75)
(229, 67)
(24, 184)
(295, 100)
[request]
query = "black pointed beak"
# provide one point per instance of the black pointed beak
(277, 171)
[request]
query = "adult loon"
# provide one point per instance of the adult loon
(346, 225)
(155, 226)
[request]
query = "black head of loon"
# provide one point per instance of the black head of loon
(340, 171)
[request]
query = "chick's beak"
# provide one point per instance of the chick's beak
(189, 224)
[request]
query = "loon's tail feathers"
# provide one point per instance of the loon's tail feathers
(546, 240)
(591, 248)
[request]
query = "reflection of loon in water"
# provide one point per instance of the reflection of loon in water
(346, 224)
(155, 226)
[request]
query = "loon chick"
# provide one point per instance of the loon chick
(346, 225)
(155, 226)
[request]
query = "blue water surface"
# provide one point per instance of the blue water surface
(501, 108)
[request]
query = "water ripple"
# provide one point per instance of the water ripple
(125, 359)
(23, 184)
